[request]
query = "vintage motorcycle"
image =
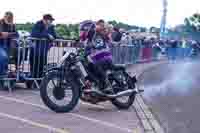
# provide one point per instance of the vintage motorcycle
(69, 81)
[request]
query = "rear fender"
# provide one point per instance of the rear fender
(134, 79)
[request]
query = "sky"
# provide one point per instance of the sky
(136, 12)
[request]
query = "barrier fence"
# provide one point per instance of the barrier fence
(30, 58)
(130, 54)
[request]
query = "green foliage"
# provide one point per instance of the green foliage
(126, 26)
(154, 29)
(62, 30)
(26, 27)
(66, 31)
(192, 23)
(71, 31)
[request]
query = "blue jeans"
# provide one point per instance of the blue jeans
(3, 61)
(172, 53)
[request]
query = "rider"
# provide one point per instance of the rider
(98, 53)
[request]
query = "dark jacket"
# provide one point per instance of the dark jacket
(40, 31)
(174, 44)
(116, 36)
(5, 43)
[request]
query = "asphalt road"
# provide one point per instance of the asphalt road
(23, 111)
(171, 92)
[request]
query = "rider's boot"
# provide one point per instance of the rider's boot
(106, 87)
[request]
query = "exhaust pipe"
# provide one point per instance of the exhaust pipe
(123, 93)
(120, 94)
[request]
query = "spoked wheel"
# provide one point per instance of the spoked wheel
(59, 94)
(125, 83)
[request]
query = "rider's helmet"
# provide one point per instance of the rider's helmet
(87, 30)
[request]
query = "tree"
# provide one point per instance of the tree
(154, 30)
(123, 25)
(71, 31)
(63, 31)
(27, 27)
(114, 23)
(192, 23)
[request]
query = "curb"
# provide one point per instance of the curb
(148, 120)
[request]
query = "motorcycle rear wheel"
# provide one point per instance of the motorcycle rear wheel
(124, 105)
(120, 103)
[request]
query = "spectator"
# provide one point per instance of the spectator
(137, 50)
(7, 33)
(173, 49)
(108, 31)
(116, 35)
(156, 49)
(43, 29)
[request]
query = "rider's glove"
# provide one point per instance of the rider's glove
(50, 37)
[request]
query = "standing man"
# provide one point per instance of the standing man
(7, 33)
(44, 31)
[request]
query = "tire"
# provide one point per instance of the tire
(49, 103)
(130, 99)
(125, 105)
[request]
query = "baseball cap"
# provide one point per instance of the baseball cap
(9, 13)
(48, 17)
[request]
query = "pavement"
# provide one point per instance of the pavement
(23, 111)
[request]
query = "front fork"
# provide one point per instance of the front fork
(80, 73)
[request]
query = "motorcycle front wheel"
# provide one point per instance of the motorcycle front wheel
(59, 94)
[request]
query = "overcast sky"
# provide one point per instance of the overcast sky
(137, 12)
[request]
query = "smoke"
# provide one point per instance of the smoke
(177, 79)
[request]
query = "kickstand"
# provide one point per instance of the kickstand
(37, 85)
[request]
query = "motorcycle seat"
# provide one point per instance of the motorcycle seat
(119, 67)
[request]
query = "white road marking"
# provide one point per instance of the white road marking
(102, 122)
(32, 123)
(84, 103)
(107, 124)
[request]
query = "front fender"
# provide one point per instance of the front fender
(70, 75)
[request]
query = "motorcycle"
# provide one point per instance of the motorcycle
(70, 81)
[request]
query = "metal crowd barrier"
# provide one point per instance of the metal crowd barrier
(30, 58)
(131, 54)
